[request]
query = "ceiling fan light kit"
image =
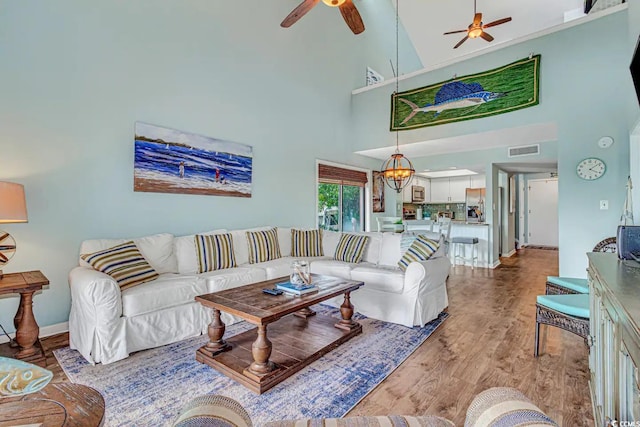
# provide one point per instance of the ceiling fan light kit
(333, 3)
(476, 28)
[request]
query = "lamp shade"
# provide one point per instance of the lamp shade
(13, 205)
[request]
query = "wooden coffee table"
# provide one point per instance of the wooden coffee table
(299, 335)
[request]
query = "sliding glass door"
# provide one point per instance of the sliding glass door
(341, 198)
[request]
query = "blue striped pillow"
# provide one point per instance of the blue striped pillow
(351, 247)
(421, 249)
(124, 263)
(215, 252)
(306, 243)
(263, 245)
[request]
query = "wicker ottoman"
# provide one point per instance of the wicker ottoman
(504, 406)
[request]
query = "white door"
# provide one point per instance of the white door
(543, 212)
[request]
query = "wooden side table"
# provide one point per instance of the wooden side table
(61, 404)
(28, 346)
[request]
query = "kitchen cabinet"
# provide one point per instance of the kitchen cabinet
(614, 338)
(477, 181)
(445, 190)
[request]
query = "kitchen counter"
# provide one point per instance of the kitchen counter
(472, 229)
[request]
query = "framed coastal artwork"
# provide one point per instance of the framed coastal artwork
(378, 192)
(174, 161)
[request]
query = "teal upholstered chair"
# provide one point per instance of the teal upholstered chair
(569, 312)
(570, 285)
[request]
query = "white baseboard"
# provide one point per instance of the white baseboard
(510, 254)
(45, 331)
(495, 264)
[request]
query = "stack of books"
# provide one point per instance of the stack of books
(290, 288)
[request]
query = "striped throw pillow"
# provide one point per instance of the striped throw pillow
(421, 249)
(263, 245)
(306, 243)
(124, 263)
(215, 251)
(351, 247)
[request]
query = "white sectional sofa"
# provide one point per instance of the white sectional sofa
(107, 324)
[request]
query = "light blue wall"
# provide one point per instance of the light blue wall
(76, 75)
(584, 88)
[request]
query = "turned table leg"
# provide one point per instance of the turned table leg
(27, 329)
(261, 350)
(305, 313)
(216, 331)
(346, 310)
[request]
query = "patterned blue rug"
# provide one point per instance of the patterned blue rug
(149, 387)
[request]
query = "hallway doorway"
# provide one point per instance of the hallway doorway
(543, 212)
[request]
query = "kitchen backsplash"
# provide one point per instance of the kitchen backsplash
(429, 209)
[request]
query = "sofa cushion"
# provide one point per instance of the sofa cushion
(124, 263)
(157, 250)
(421, 249)
(230, 278)
(331, 267)
(390, 249)
(284, 241)
(263, 245)
(184, 248)
(215, 252)
(306, 243)
(351, 247)
(386, 279)
(167, 291)
(372, 249)
(330, 241)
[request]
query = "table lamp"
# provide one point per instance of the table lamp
(13, 208)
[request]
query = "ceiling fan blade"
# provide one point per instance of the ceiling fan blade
(498, 22)
(352, 17)
(299, 12)
(461, 41)
(456, 32)
(477, 19)
(486, 36)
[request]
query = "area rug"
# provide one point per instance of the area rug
(149, 387)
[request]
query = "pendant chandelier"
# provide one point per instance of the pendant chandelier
(397, 171)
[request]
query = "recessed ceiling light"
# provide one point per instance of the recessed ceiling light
(449, 173)
(452, 167)
(427, 170)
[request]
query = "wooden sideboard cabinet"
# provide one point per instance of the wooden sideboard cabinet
(614, 357)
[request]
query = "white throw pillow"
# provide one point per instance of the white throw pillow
(330, 242)
(284, 241)
(184, 248)
(157, 250)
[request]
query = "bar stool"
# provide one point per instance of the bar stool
(473, 241)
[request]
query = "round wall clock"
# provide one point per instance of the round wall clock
(591, 168)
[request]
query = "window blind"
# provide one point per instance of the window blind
(335, 175)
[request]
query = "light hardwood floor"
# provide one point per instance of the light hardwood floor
(487, 341)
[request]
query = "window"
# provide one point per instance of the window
(341, 198)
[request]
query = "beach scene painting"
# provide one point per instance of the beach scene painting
(174, 161)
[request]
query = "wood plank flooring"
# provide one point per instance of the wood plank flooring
(487, 341)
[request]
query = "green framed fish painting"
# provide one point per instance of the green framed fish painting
(501, 90)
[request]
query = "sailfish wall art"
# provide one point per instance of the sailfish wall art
(497, 91)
